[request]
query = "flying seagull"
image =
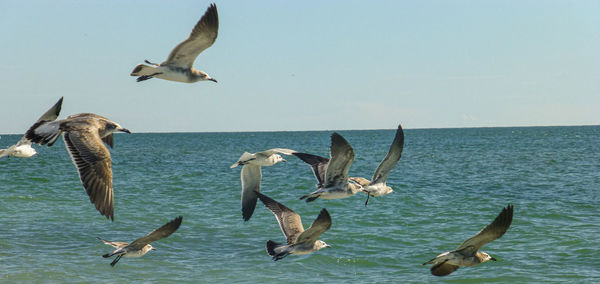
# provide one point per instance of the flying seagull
(299, 241)
(377, 186)
(141, 246)
(467, 253)
(179, 65)
(335, 182)
(251, 175)
(23, 147)
(83, 135)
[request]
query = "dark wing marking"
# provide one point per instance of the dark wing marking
(320, 225)
(251, 176)
(289, 222)
(391, 159)
(41, 131)
(342, 156)
(160, 233)
(491, 232)
(317, 163)
(202, 37)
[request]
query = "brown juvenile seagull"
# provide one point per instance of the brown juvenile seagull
(299, 241)
(467, 253)
(83, 135)
(141, 246)
(334, 183)
(179, 66)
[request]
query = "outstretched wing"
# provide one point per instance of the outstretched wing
(202, 37)
(289, 222)
(342, 156)
(491, 232)
(317, 163)
(44, 130)
(162, 232)
(391, 159)
(251, 176)
(320, 225)
(94, 165)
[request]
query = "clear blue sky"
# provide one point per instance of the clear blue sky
(306, 65)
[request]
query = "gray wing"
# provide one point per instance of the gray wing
(320, 225)
(317, 163)
(270, 152)
(116, 245)
(202, 37)
(342, 156)
(491, 232)
(94, 165)
(391, 159)
(289, 222)
(251, 176)
(162, 232)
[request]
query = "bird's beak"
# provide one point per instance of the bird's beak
(327, 246)
(212, 79)
(283, 160)
(124, 130)
(493, 259)
(153, 249)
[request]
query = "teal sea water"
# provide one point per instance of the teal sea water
(449, 184)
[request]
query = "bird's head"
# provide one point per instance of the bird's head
(113, 127)
(321, 244)
(388, 190)
(483, 257)
(202, 76)
(277, 158)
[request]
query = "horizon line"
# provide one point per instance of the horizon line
(369, 129)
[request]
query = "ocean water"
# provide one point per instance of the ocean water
(449, 184)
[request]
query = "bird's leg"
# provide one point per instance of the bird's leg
(367, 202)
(150, 62)
(115, 261)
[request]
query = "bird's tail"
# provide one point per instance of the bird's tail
(273, 249)
(3, 153)
(143, 70)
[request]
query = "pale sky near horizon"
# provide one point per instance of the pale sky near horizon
(306, 65)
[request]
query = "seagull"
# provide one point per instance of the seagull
(299, 241)
(335, 182)
(141, 246)
(23, 147)
(83, 135)
(179, 65)
(251, 175)
(377, 186)
(467, 253)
